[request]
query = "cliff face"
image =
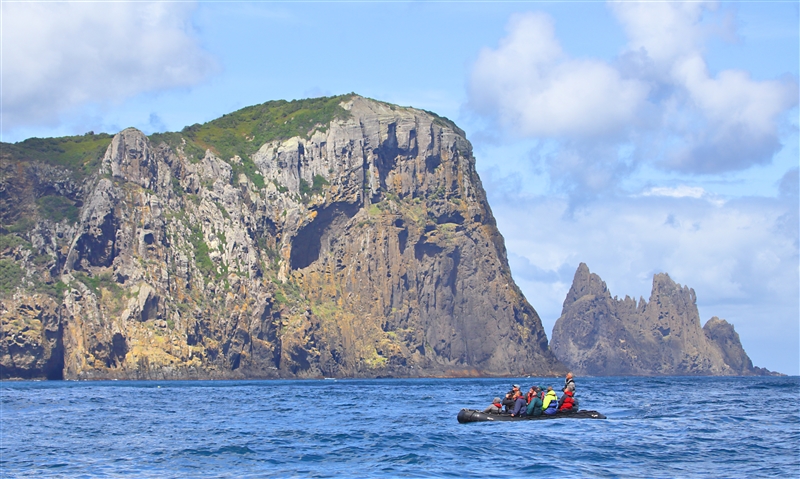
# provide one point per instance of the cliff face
(599, 335)
(333, 237)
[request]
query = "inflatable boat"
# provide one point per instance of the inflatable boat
(471, 415)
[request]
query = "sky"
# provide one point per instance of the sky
(635, 137)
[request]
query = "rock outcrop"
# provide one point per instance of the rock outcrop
(338, 237)
(598, 335)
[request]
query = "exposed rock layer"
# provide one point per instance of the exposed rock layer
(364, 248)
(598, 335)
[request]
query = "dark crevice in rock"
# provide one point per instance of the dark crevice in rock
(402, 239)
(306, 245)
(54, 367)
(452, 277)
(422, 249)
(386, 155)
(299, 358)
(432, 162)
(119, 348)
(450, 217)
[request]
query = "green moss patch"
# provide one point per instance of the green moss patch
(80, 154)
(10, 276)
(57, 208)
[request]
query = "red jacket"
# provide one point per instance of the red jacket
(566, 401)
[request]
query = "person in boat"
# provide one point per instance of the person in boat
(520, 404)
(550, 402)
(534, 401)
(495, 408)
(569, 383)
(567, 402)
(509, 400)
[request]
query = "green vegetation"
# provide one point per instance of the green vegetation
(287, 293)
(280, 187)
(319, 183)
(222, 210)
(10, 275)
(243, 132)
(375, 210)
(250, 170)
(11, 241)
(445, 122)
(307, 191)
(56, 289)
(22, 225)
(57, 208)
(79, 154)
(174, 140)
(176, 186)
(201, 256)
(95, 283)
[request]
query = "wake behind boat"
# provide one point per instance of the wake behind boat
(472, 415)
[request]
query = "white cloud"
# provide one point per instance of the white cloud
(740, 118)
(657, 101)
(58, 56)
(681, 191)
(534, 89)
(667, 31)
(724, 123)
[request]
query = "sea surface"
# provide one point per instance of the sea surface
(656, 427)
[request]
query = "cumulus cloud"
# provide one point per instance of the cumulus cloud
(58, 56)
(656, 103)
(726, 122)
(533, 88)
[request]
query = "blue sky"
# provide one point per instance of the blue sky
(635, 137)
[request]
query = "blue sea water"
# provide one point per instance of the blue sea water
(656, 427)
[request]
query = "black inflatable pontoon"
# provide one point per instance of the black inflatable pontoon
(471, 415)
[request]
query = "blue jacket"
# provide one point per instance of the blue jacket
(519, 406)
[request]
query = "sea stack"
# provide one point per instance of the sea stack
(337, 237)
(598, 335)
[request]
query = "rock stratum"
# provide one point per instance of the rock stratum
(598, 335)
(334, 237)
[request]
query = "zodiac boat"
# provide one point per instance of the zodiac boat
(471, 415)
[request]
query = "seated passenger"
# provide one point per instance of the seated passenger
(495, 408)
(567, 403)
(519, 404)
(508, 402)
(550, 402)
(534, 402)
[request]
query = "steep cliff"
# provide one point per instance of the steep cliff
(599, 335)
(331, 237)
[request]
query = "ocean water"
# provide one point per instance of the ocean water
(656, 427)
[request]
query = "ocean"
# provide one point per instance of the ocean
(657, 427)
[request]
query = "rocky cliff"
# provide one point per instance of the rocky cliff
(598, 335)
(337, 237)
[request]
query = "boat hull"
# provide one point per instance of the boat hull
(471, 415)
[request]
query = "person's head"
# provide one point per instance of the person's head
(496, 401)
(515, 387)
(549, 388)
(569, 375)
